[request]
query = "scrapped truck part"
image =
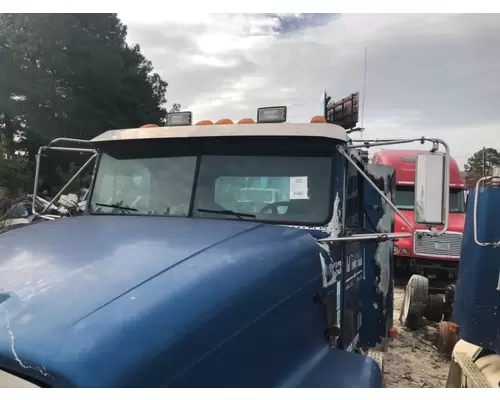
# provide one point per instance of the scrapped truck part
(436, 257)
(447, 337)
(170, 228)
(491, 182)
(435, 308)
(415, 302)
(472, 368)
(412, 360)
(418, 304)
(19, 213)
(475, 299)
(51, 147)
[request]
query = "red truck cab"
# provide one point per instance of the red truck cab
(436, 258)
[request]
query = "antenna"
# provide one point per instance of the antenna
(364, 96)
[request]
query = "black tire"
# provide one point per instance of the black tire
(414, 302)
(435, 308)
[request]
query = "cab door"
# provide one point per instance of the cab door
(378, 285)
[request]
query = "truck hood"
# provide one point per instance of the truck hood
(456, 222)
(95, 259)
(95, 301)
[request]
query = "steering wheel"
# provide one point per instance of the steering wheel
(274, 207)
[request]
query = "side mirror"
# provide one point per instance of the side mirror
(432, 189)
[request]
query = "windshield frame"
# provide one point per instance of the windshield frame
(321, 147)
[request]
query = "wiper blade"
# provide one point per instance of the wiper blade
(123, 209)
(227, 212)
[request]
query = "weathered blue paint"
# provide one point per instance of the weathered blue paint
(151, 301)
(331, 255)
(359, 294)
(316, 374)
(378, 286)
(352, 311)
(477, 302)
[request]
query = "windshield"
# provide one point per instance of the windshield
(405, 199)
(271, 188)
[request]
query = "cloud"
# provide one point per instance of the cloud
(427, 74)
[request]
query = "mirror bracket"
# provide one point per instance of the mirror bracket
(380, 192)
(493, 180)
(433, 230)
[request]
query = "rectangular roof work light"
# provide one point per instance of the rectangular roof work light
(271, 114)
(184, 118)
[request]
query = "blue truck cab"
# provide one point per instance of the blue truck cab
(167, 280)
(476, 307)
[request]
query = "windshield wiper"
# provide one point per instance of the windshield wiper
(227, 212)
(123, 209)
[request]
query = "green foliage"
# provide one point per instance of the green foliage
(71, 75)
(14, 171)
(474, 164)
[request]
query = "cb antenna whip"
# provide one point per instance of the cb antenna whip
(364, 95)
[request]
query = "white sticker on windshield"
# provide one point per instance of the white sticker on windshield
(298, 188)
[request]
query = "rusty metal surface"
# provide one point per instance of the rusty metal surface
(447, 338)
(435, 308)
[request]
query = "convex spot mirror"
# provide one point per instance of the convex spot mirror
(431, 189)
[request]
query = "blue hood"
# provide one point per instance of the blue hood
(96, 259)
(139, 290)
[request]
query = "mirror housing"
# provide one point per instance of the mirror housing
(432, 174)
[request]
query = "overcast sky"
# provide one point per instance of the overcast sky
(433, 75)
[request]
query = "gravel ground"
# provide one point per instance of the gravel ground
(412, 361)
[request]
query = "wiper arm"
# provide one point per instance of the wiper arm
(227, 212)
(123, 209)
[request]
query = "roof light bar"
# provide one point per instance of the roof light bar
(184, 118)
(224, 121)
(271, 114)
(204, 122)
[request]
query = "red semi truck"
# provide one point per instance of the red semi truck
(436, 258)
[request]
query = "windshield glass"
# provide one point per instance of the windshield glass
(159, 186)
(405, 199)
(291, 189)
(258, 194)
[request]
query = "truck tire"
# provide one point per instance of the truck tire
(435, 308)
(414, 302)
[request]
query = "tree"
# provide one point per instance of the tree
(176, 107)
(72, 75)
(14, 171)
(474, 165)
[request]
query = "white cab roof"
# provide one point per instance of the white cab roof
(269, 129)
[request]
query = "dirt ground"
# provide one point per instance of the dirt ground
(412, 361)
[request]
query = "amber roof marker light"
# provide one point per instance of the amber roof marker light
(318, 119)
(204, 122)
(224, 121)
(246, 121)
